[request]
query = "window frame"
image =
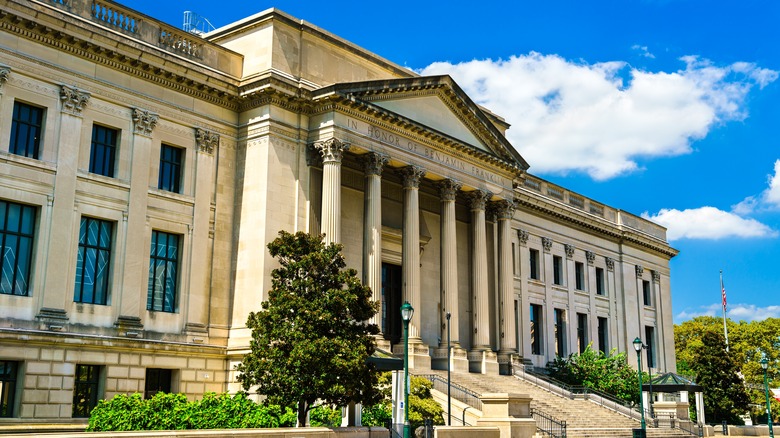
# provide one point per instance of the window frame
(107, 165)
(650, 346)
(579, 276)
(19, 146)
(600, 282)
(559, 317)
(100, 248)
(603, 334)
(160, 300)
(170, 171)
(646, 293)
(536, 329)
(156, 376)
(23, 235)
(558, 270)
(582, 332)
(533, 255)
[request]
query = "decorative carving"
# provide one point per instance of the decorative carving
(504, 209)
(590, 256)
(144, 122)
(522, 236)
(448, 189)
(639, 271)
(569, 250)
(4, 72)
(656, 276)
(206, 140)
(412, 175)
(478, 199)
(73, 99)
(332, 150)
(610, 263)
(546, 244)
(374, 162)
(313, 157)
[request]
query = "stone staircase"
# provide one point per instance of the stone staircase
(584, 418)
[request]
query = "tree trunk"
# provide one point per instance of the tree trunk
(302, 409)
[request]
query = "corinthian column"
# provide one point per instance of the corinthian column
(449, 260)
(479, 275)
(332, 152)
(411, 246)
(504, 211)
(372, 227)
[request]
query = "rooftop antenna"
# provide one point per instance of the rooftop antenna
(194, 23)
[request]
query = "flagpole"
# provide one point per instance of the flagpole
(723, 299)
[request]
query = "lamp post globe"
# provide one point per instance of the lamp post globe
(638, 347)
(407, 311)
(765, 364)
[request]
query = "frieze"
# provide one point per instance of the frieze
(73, 99)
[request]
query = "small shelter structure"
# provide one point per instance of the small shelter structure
(675, 384)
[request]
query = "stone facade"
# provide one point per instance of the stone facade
(136, 214)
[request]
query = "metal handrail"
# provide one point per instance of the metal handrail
(458, 392)
(548, 425)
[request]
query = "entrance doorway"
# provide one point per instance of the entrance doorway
(392, 280)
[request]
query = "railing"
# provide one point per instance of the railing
(457, 392)
(548, 425)
(119, 18)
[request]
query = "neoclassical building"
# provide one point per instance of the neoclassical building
(144, 169)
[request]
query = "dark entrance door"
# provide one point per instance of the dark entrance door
(391, 303)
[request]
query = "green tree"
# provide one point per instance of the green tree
(310, 342)
(595, 370)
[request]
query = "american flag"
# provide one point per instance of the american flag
(723, 294)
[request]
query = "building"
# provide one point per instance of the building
(143, 169)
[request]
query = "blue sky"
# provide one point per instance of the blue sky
(664, 108)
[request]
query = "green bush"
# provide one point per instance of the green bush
(325, 416)
(175, 412)
(377, 415)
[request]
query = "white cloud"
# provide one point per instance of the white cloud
(708, 223)
(769, 199)
(576, 117)
(643, 51)
(738, 312)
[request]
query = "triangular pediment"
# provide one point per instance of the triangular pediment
(435, 104)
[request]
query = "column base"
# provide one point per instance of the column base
(483, 362)
(458, 359)
(419, 355)
(505, 359)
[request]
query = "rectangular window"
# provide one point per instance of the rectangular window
(582, 332)
(650, 342)
(600, 285)
(9, 372)
(560, 333)
(157, 380)
(536, 329)
(603, 335)
(514, 260)
(534, 274)
(26, 130)
(170, 169)
(102, 155)
(579, 275)
(85, 391)
(17, 225)
(646, 292)
(93, 261)
(163, 272)
(558, 270)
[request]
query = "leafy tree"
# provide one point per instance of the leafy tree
(596, 370)
(311, 340)
(422, 406)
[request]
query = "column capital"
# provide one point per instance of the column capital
(207, 141)
(144, 122)
(448, 189)
(610, 263)
(373, 163)
(313, 156)
(640, 270)
(4, 72)
(412, 176)
(547, 244)
(332, 150)
(656, 276)
(504, 209)
(522, 236)
(569, 248)
(590, 256)
(73, 99)
(478, 199)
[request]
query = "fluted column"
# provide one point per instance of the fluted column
(448, 189)
(372, 227)
(479, 274)
(504, 211)
(332, 152)
(411, 246)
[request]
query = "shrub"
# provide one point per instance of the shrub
(325, 416)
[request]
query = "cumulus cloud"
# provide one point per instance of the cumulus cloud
(769, 199)
(739, 312)
(708, 223)
(603, 118)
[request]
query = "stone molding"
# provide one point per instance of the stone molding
(412, 176)
(332, 150)
(144, 122)
(374, 162)
(448, 189)
(73, 99)
(207, 141)
(547, 244)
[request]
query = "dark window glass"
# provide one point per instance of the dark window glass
(646, 292)
(157, 380)
(9, 372)
(582, 332)
(579, 275)
(600, 289)
(26, 130)
(93, 261)
(557, 270)
(102, 155)
(534, 264)
(603, 335)
(17, 223)
(650, 343)
(170, 169)
(163, 272)
(560, 333)
(536, 329)
(85, 391)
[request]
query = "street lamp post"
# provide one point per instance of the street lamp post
(449, 400)
(764, 365)
(406, 315)
(652, 414)
(638, 347)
